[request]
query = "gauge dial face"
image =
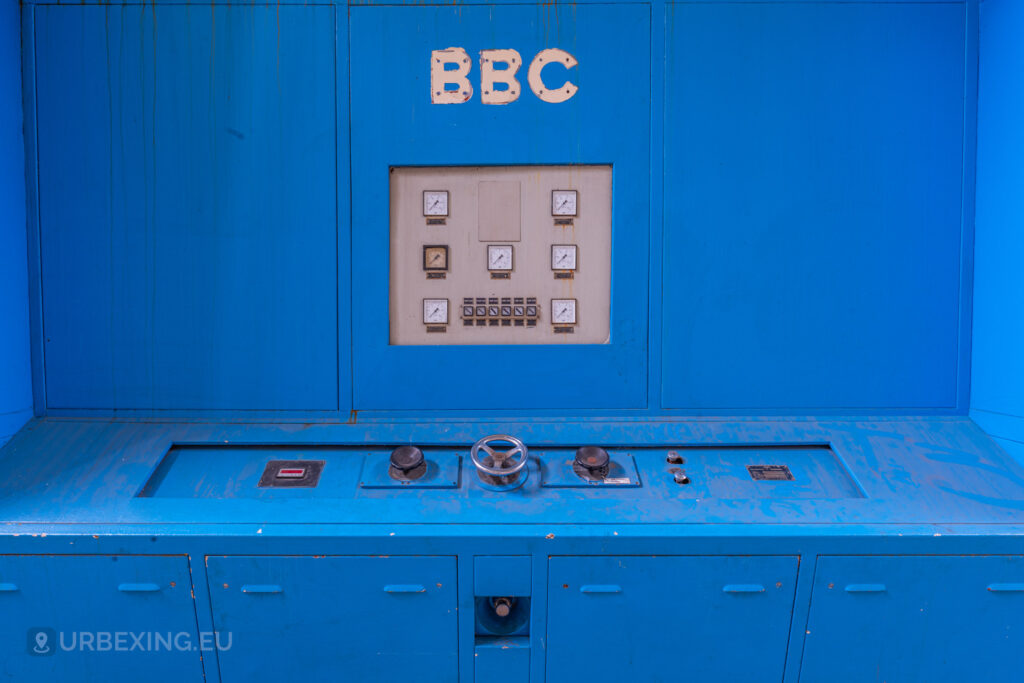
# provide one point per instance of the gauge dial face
(563, 203)
(435, 311)
(435, 202)
(563, 311)
(435, 257)
(499, 257)
(563, 257)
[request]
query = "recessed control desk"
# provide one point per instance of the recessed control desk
(771, 556)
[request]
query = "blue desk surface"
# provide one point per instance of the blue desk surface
(940, 473)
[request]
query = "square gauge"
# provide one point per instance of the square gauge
(499, 257)
(563, 311)
(435, 311)
(435, 203)
(563, 202)
(435, 257)
(563, 257)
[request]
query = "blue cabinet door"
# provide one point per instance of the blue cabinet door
(669, 618)
(97, 618)
(916, 619)
(360, 619)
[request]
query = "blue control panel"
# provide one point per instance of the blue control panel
(507, 343)
(764, 545)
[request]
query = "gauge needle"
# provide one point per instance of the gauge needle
(564, 256)
(564, 202)
(436, 202)
(435, 259)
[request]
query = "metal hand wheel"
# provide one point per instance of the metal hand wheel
(499, 456)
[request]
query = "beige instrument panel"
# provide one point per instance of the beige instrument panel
(500, 255)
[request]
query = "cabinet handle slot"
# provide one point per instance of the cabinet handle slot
(1006, 587)
(404, 588)
(262, 588)
(866, 588)
(138, 588)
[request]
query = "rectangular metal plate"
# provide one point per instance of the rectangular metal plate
(443, 469)
(557, 471)
(284, 474)
(232, 471)
(763, 471)
(502, 575)
(770, 473)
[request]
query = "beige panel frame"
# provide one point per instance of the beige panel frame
(467, 274)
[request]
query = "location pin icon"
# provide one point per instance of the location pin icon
(41, 639)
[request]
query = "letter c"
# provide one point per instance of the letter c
(543, 58)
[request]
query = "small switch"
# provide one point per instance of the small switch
(674, 458)
(291, 473)
(681, 478)
(283, 474)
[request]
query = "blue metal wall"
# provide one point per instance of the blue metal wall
(15, 376)
(187, 210)
(792, 231)
(997, 392)
(813, 230)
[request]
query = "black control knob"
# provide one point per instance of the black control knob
(593, 459)
(406, 458)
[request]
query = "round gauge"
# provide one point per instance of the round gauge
(435, 311)
(563, 203)
(563, 311)
(563, 257)
(435, 257)
(499, 257)
(435, 203)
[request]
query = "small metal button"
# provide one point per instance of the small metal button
(681, 478)
(674, 458)
(502, 606)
